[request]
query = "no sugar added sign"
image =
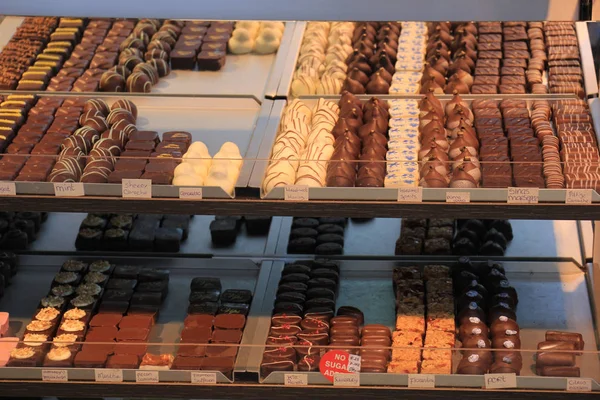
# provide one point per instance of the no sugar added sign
(340, 362)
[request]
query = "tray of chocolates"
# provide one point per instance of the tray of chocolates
(154, 234)
(445, 319)
(146, 55)
(514, 57)
(96, 141)
(146, 314)
(366, 148)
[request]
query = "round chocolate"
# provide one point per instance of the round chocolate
(146, 26)
(472, 329)
(132, 42)
(352, 312)
(471, 311)
(98, 124)
(496, 237)
(156, 54)
(474, 225)
(77, 141)
(503, 226)
(165, 37)
(139, 83)
(476, 342)
(471, 296)
(149, 70)
(162, 67)
(127, 105)
(112, 81)
(303, 232)
(159, 45)
(506, 342)
(130, 62)
(121, 70)
(330, 238)
(131, 52)
(119, 114)
(97, 105)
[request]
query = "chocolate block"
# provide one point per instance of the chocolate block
(168, 239)
(211, 60)
(123, 361)
(201, 284)
(209, 308)
(142, 238)
(89, 358)
(236, 296)
(147, 298)
(183, 59)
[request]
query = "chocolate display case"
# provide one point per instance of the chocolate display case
(556, 285)
(533, 282)
(165, 334)
(265, 71)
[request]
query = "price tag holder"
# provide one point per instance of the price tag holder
(8, 189)
(295, 379)
(410, 195)
(353, 363)
(500, 381)
(68, 189)
(108, 375)
(421, 381)
(458, 197)
(55, 375)
(146, 376)
(523, 195)
(136, 188)
(346, 379)
(295, 193)
(204, 378)
(190, 193)
(579, 385)
(578, 196)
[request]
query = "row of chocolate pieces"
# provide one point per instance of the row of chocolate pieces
(564, 73)
(202, 44)
(372, 63)
(321, 67)
(260, 37)
(224, 230)
(482, 237)
(360, 146)
(91, 54)
(202, 327)
(564, 362)
(36, 127)
(127, 232)
(322, 236)
(21, 50)
(424, 319)
(541, 115)
(512, 58)
(451, 53)
(302, 316)
(425, 236)
(404, 144)
(410, 58)
(197, 168)
(59, 52)
(302, 146)
(19, 230)
(449, 144)
(576, 143)
(487, 305)
(77, 292)
(141, 55)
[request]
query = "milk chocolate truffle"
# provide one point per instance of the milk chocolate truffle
(127, 105)
(161, 66)
(149, 70)
(139, 82)
(112, 81)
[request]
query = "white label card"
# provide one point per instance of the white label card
(204, 378)
(578, 196)
(295, 193)
(421, 381)
(190, 193)
(346, 380)
(499, 381)
(8, 189)
(579, 385)
(137, 188)
(295, 379)
(68, 189)
(519, 195)
(55, 375)
(410, 195)
(354, 363)
(146, 376)
(458, 197)
(109, 375)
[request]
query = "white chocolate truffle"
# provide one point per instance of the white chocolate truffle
(263, 46)
(184, 169)
(276, 25)
(198, 147)
(304, 85)
(188, 180)
(329, 85)
(250, 26)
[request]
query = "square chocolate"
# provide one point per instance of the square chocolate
(211, 60)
